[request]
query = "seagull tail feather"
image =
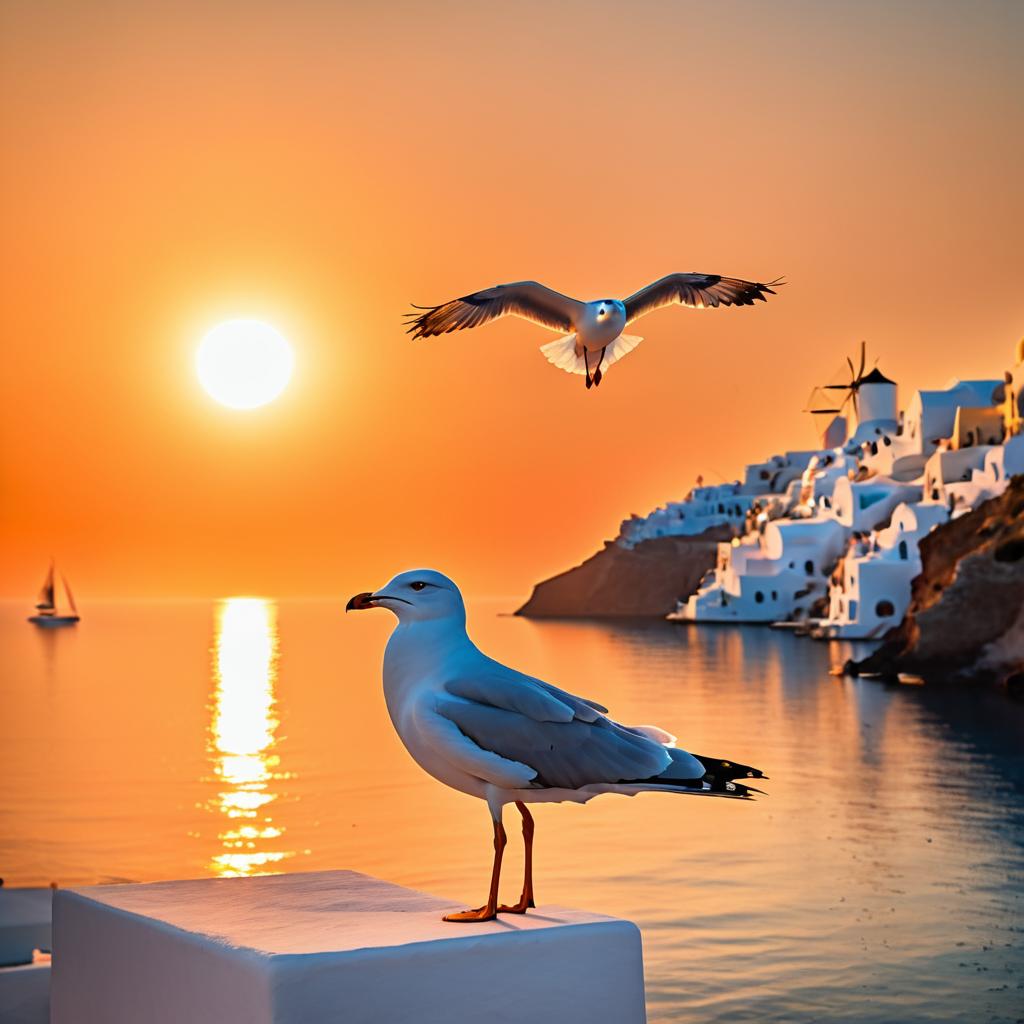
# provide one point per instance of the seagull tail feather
(719, 778)
(724, 770)
(686, 787)
(562, 353)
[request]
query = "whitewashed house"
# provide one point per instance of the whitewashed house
(871, 588)
(863, 505)
(931, 415)
(765, 486)
(704, 507)
(949, 476)
(895, 456)
(1001, 463)
(819, 479)
(777, 572)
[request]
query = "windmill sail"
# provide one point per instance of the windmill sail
(852, 387)
(829, 423)
(45, 601)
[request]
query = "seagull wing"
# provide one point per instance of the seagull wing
(445, 736)
(491, 682)
(563, 739)
(526, 299)
(699, 291)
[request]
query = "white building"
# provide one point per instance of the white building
(1001, 463)
(777, 572)
(871, 589)
(765, 487)
(863, 505)
(931, 415)
(948, 471)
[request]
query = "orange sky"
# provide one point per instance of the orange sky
(319, 166)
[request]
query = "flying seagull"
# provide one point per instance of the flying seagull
(505, 737)
(592, 331)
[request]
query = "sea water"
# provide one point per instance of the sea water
(880, 881)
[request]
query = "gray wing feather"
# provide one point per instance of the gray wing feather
(504, 687)
(588, 710)
(700, 291)
(564, 754)
(526, 299)
(501, 689)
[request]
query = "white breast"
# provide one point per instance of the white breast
(413, 677)
(595, 332)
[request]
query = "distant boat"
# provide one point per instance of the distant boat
(47, 615)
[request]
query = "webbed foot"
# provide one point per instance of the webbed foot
(521, 907)
(480, 914)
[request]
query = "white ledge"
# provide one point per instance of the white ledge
(24, 924)
(25, 994)
(332, 946)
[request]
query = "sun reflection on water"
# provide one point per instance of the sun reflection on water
(243, 736)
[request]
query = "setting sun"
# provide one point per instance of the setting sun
(244, 363)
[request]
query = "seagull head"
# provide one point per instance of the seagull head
(608, 307)
(414, 596)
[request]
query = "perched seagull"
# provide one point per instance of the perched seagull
(594, 340)
(492, 732)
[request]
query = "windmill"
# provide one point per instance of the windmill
(825, 408)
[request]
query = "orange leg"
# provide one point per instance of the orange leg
(526, 900)
(490, 909)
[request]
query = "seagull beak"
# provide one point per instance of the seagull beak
(361, 602)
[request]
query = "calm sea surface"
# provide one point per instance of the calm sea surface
(881, 881)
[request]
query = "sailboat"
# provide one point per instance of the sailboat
(46, 604)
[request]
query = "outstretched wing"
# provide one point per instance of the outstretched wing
(700, 291)
(526, 299)
(564, 739)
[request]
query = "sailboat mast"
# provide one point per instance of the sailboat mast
(45, 601)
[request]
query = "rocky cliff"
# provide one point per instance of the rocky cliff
(966, 615)
(646, 580)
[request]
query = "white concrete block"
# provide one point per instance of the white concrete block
(25, 994)
(332, 947)
(24, 924)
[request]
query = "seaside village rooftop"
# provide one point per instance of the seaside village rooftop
(829, 537)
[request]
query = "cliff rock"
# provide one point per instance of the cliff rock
(966, 615)
(644, 581)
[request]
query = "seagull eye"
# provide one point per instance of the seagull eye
(417, 585)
